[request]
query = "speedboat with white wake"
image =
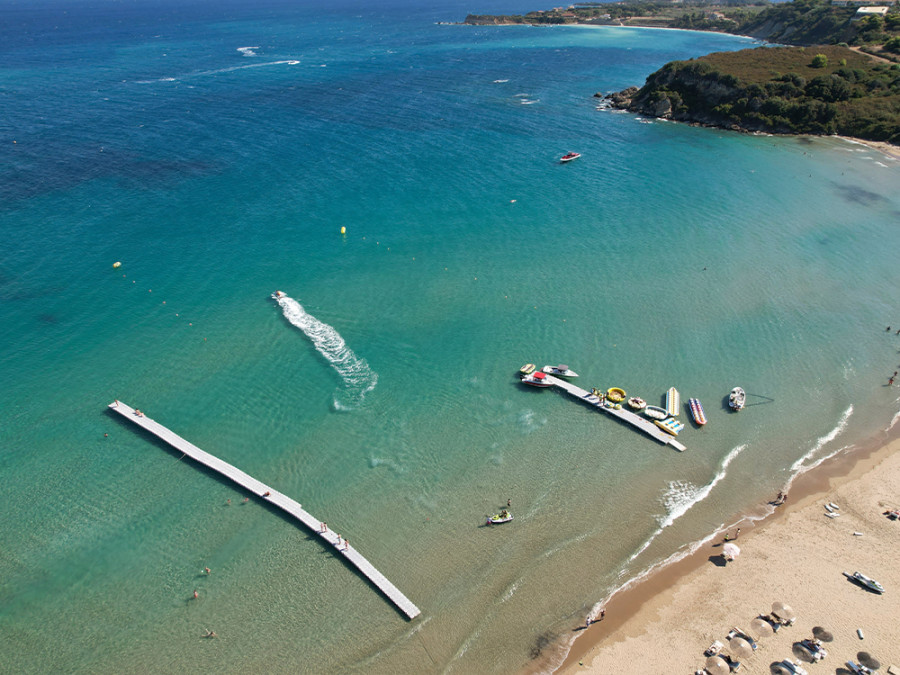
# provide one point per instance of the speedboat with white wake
(737, 399)
(499, 518)
(560, 371)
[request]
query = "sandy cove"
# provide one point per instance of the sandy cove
(797, 556)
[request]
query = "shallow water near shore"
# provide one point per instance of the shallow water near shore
(217, 152)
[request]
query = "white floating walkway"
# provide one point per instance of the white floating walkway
(625, 415)
(280, 500)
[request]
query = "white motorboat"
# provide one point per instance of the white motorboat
(569, 156)
(561, 370)
(737, 398)
(537, 379)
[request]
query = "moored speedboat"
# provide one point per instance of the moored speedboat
(537, 379)
(655, 412)
(670, 425)
(560, 371)
(569, 156)
(697, 411)
(498, 518)
(637, 403)
(615, 394)
(673, 402)
(737, 398)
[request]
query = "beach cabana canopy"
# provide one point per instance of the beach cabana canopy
(730, 550)
(866, 659)
(783, 611)
(761, 628)
(740, 648)
(716, 665)
(821, 634)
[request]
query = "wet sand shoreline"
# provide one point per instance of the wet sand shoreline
(669, 601)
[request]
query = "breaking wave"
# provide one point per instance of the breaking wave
(801, 464)
(358, 378)
(681, 497)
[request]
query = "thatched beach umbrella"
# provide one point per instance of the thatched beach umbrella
(716, 665)
(821, 634)
(761, 628)
(783, 611)
(866, 659)
(740, 648)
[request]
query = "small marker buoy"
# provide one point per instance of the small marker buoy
(343, 230)
(117, 264)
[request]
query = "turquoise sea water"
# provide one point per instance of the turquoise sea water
(217, 150)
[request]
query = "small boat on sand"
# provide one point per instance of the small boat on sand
(615, 394)
(863, 580)
(655, 412)
(499, 518)
(527, 369)
(569, 156)
(737, 399)
(697, 411)
(670, 425)
(537, 379)
(673, 402)
(560, 371)
(637, 403)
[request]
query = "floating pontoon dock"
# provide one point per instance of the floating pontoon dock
(625, 415)
(272, 496)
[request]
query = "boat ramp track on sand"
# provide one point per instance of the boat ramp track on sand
(272, 496)
(625, 415)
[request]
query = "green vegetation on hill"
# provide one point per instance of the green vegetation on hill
(782, 90)
(801, 22)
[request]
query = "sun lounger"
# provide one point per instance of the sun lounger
(793, 667)
(737, 632)
(713, 649)
(858, 668)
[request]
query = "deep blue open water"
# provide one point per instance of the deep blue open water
(216, 150)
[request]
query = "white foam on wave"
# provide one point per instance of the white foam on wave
(681, 496)
(894, 420)
(248, 51)
(358, 378)
(799, 465)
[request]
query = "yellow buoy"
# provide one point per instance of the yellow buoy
(117, 264)
(343, 230)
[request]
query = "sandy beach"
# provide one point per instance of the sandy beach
(797, 556)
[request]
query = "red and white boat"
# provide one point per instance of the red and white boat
(569, 156)
(537, 379)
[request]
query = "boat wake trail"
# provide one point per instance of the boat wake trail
(358, 378)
